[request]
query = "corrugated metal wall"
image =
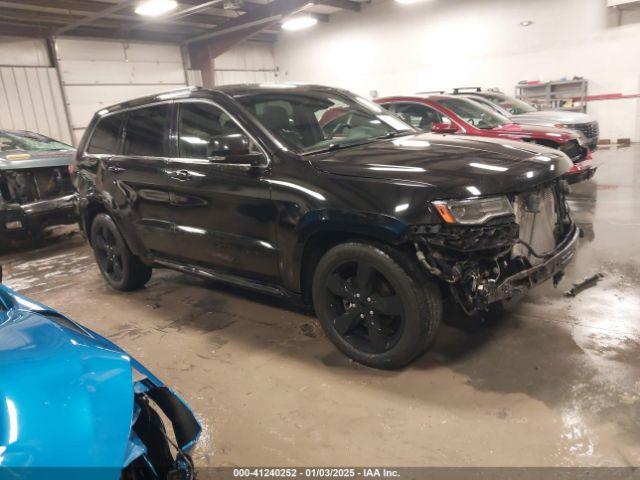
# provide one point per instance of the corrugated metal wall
(246, 63)
(98, 73)
(30, 99)
(30, 94)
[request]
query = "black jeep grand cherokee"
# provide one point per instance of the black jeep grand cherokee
(318, 194)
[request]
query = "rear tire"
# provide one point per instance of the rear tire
(120, 268)
(372, 309)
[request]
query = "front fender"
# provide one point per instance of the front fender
(326, 223)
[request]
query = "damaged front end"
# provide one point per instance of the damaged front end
(35, 195)
(75, 405)
(496, 251)
(153, 453)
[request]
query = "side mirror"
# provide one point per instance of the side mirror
(228, 145)
(233, 148)
(444, 128)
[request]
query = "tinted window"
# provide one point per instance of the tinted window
(474, 113)
(198, 124)
(106, 134)
(145, 133)
(419, 116)
(513, 105)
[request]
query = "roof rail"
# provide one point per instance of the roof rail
(430, 92)
(473, 89)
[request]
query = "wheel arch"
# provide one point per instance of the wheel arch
(320, 237)
(91, 207)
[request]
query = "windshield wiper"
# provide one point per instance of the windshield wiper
(362, 141)
(394, 134)
(341, 145)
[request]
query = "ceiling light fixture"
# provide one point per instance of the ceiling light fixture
(299, 23)
(526, 23)
(408, 2)
(155, 8)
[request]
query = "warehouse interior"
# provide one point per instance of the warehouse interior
(553, 381)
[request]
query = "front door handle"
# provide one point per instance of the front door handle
(113, 169)
(181, 175)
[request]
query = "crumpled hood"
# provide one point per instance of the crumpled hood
(66, 399)
(452, 166)
(552, 117)
(19, 160)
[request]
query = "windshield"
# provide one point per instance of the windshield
(513, 105)
(314, 120)
(29, 142)
(489, 104)
(473, 113)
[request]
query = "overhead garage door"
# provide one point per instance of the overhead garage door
(247, 63)
(96, 74)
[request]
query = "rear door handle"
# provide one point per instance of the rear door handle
(181, 175)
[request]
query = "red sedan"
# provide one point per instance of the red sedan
(456, 115)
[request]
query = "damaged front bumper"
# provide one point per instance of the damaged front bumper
(149, 453)
(17, 219)
(518, 283)
(502, 258)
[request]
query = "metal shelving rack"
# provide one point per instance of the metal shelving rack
(556, 95)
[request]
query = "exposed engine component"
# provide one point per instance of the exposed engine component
(501, 258)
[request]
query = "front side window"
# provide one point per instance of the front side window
(203, 127)
(421, 117)
(474, 113)
(106, 135)
(146, 131)
(311, 121)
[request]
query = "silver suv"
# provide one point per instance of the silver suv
(522, 112)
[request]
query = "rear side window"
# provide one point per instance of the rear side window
(106, 135)
(146, 131)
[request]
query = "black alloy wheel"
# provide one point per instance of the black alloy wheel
(108, 253)
(121, 269)
(373, 309)
(367, 312)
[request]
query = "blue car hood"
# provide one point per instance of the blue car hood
(67, 394)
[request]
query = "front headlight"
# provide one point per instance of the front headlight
(473, 210)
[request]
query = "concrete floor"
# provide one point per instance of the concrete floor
(554, 383)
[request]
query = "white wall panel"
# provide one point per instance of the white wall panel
(97, 73)
(30, 94)
(20, 51)
(31, 99)
(435, 45)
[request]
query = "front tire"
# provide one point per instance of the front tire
(120, 268)
(372, 309)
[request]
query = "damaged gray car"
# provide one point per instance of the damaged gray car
(35, 187)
